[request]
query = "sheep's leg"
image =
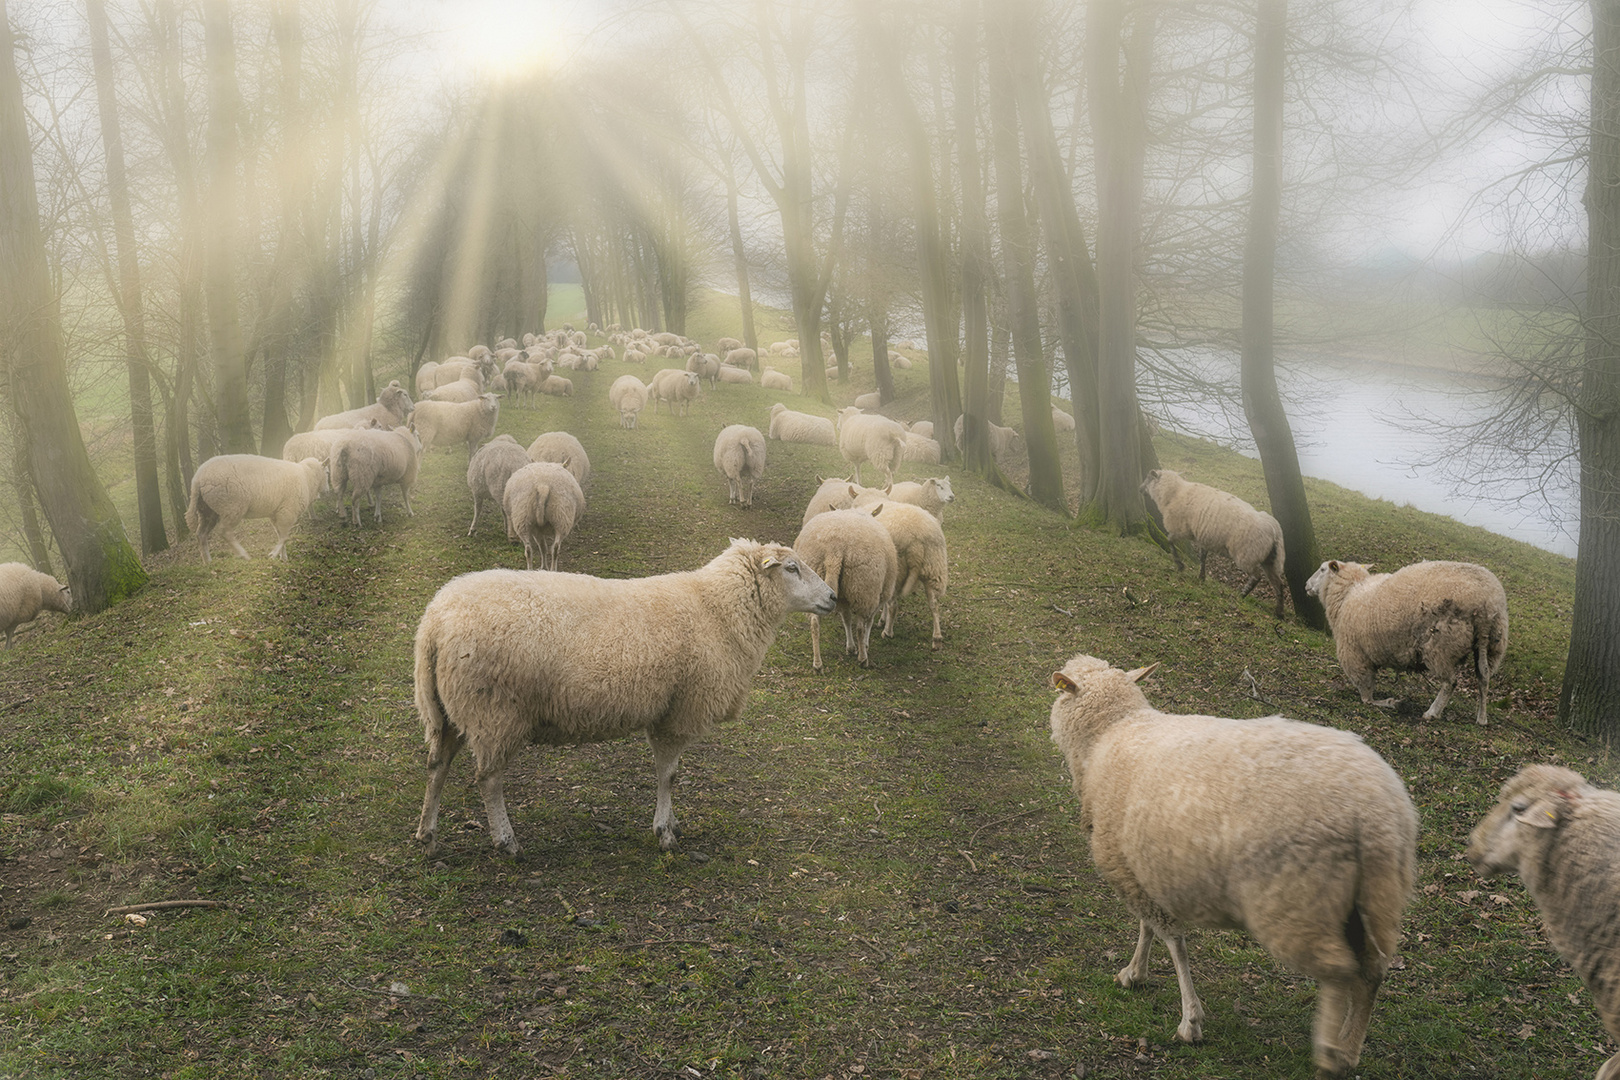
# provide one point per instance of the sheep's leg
(1360, 995)
(492, 786)
(666, 759)
(1203, 564)
(1334, 1017)
(933, 604)
(815, 643)
(1175, 553)
(1443, 698)
(1610, 1070)
(405, 493)
(1249, 588)
(1484, 692)
(230, 538)
(1192, 1010)
(866, 640)
(444, 750)
(1135, 972)
(477, 502)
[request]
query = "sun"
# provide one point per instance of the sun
(510, 40)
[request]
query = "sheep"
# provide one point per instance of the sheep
(707, 366)
(901, 362)
(1213, 520)
(628, 396)
(505, 658)
(478, 352)
(1559, 834)
(523, 379)
(227, 489)
(634, 356)
(488, 470)
(925, 428)
(834, 494)
(665, 337)
(771, 379)
(460, 390)
(25, 592)
(393, 408)
(561, 448)
(1061, 420)
(448, 422)
(1429, 616)
(318, 444)
(921, 449)
(739, 455)
(743, 358)
(856, 558)
(737, 375)
(920, 542)
(931, 494)
(672, 385)
(782, 348)
(798, 427)
(1297, 833)
(874, 400)
(877, 439)
(557, 386)
(542, 501)
(727, 344)
(424, 377)
(1003, 440)
(457, 367)
(366, 461)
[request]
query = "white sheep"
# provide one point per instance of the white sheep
(25, 592)
(877, 439)
(771, 379)
(874, 400)
(228, 489)
(393, 408)
(524, 379)
(1214, 520)
(931, 494)
(1297, 833)
(542, 501)
(628, 396)
(739, 455)
(505, 658)
(366, 461)
(920, 542)
(424, 377)
(1560, 834)
(460, 390)
(557, 386)
(743, 358)
(705, 365)
(1004, 441)
(727, 344)
(1429, 616)
(855, 556)
(925, 428)
(901, 362)
(672, 386)
(798, 427)
(561, 448)
(835, 494)
(488, 470)
(1061, 420)
(736, 376)
(317, 444)
(450, 422)
(921, 449)
(457, 367)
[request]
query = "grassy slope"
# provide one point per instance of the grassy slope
(883, 873)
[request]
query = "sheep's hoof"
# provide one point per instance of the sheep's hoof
(509, 847)
(1128, 978)
(431, 840)
(1390, 703)
(1190, 1031)
(935, 643)
(668, 837)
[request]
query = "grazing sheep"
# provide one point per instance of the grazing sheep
(743, 358)
(771, 379)
(478, 352)
(542, 501)
(1003, 440)
(366, 461)
(318, 444)
(227, 489)
(1560, 834)
(450, 422)
(25, 592)
(628, 396)
(672, 386)
(901, 362)
(705, 365)
(524, 379)
(782, 348)
(488, 470)
(798, 427)
(739, 454)
(1213, 520)
(921, 449)
(931, 494)
(920, 543)
(1299, 834)
(877, 439)
(557, 386)
(460, 390)
(424, 377)
(925, 428)
(727, 344)
(855, 556)
(735, 375)
(505, 658)
(1061, 420)
(393, 408)
(561, 448)
(867, 402)
(1430, 616)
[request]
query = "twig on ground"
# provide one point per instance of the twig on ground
(1010, 817)
(160, 905)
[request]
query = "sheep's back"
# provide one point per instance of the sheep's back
(1387, 617)
(1580, 892)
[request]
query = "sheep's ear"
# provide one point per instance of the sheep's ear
(770, 561)
(1064, 683)
(877, 508)
(853, 493)
(1333, 565)
(1142, 672)
(1546, 811)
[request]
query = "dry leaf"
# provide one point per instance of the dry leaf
(1526, 1031)
(1468, 896)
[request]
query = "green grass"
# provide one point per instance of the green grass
(883, 872)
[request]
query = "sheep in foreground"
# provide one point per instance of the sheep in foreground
(542, 501)
(505, 658)
(227, 489)
(876, 439)
(771, 379)
(835, 494)
(25, 592)
(856, 558)
(931, 494)
(628, 396)
(488, 471)
(1003, 440)
(563, 449)
(1213, 520)
(1559, 834)
(1430, 616)
(392, 408)
(739, 454)
(448, 422)
(920, 542)
(367, 461)
(798, 427)
(1298, 834)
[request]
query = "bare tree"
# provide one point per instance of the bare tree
(224, 326)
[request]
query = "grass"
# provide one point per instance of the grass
(883, 873)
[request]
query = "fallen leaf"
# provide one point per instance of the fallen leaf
(1526, 1031)
(1468, 896)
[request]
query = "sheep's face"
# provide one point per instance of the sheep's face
(1150, 486)
(61, 600)
(1538, 797)
(1333, 568)
(942, 488)
(801, 586)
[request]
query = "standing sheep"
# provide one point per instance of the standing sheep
(739, 454)
(1298, 834)
(856, 558)
(1560, 835)
(460, 390)
(393, 408)
(672, 386)
(25, 592)
(834, 494)
(1213, 520)
(932, 495)
(628, 396)
(1061, 420)
(542, 502)
(450, 422)
(798, 427)
(1430, 616)
(488, 471)
(367, 461)
(705, 366)
(227, 489)
(876, 439)
(563, 449)
(920, 542)
(1003, 440)
(505, 658)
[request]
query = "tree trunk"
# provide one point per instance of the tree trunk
(975, 251)
(148, 498)
(174, 134)
(235, 424)
(290, 257)
(1262, 404)
(102, 568)
(1590, 701)
(745, 296)
(22, 484)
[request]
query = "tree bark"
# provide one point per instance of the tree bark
(235, 423)
(1590, 701)
(975, 251)
(739, 254)
(22, 485)
(290, 256)
(102, 568)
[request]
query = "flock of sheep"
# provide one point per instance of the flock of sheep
(1297, 833)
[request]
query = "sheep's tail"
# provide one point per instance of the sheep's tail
(1490, 645)
(429, 706)
(198, 512)
(833, 570)
(340, 472)
(1383, 888)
